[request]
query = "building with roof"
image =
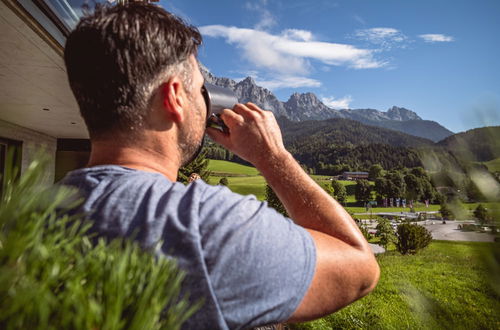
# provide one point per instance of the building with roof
(37, 109)
(354, 176)
(38, 112)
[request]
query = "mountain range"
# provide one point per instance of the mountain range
(345, 132)
(307, 106)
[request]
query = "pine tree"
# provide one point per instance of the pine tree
(199, 165)
(274, 202)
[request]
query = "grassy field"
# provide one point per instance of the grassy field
(246, 180)
(418, 208)
(225, 168)
(445, 286)
(493, 165)
(251, 185)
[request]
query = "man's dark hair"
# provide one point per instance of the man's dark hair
(117, 56)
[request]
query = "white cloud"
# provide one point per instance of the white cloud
(342, 103)
(277, 81)
(288, 82)
(383, 37)
(266, 18)
(289, 52)
(436, 38)
(299, 35)
(359, 19)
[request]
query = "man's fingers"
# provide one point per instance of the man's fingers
(217, 135)
(253, 106)
(230, 117)
(240, 109)
(248, 110)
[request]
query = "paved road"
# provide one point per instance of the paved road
(445, 232)
(376, 248)
(449, 232)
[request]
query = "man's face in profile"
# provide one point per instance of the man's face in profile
(193, 128)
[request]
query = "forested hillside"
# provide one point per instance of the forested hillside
(423, 128)
(479, 144)
(332, 146)
(336, 145)
(345, 132)
(331, 159)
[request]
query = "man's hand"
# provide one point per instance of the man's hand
(254, 134)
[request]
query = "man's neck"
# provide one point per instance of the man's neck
(143, 158)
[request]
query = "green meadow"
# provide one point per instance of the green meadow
(493, 165)
(445, 286)
(224, 168)
(244, 180)
(247, 180)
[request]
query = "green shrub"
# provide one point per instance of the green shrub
(339, 191)
(481, 214)
(364, 231)
(412, 238)
(53, 277)
(385, 232)
(468, 227)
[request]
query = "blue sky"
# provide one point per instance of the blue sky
(439, 58)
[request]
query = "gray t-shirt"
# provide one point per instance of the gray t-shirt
(251, 265)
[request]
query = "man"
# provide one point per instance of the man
(136, 79)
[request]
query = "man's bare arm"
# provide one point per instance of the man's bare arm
(345, 268)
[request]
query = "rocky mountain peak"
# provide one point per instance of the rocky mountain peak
(307, 106)
(304, 99)
(248, 81)
(402, 114)
(248, 91)
(210, 78)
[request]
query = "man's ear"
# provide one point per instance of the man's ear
(174, 99)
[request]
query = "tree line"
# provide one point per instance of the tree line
(402, 185)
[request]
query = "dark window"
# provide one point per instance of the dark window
(10, 160)
(71, 154)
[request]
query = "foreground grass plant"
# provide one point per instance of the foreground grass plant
(53, 277)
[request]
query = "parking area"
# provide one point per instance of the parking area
(450, 232)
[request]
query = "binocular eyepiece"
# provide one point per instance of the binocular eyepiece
(217, 98)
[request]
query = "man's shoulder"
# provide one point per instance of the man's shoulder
(109, 173)
(118, 179)
(111, 180)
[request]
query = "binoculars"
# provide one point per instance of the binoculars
(217, 98)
